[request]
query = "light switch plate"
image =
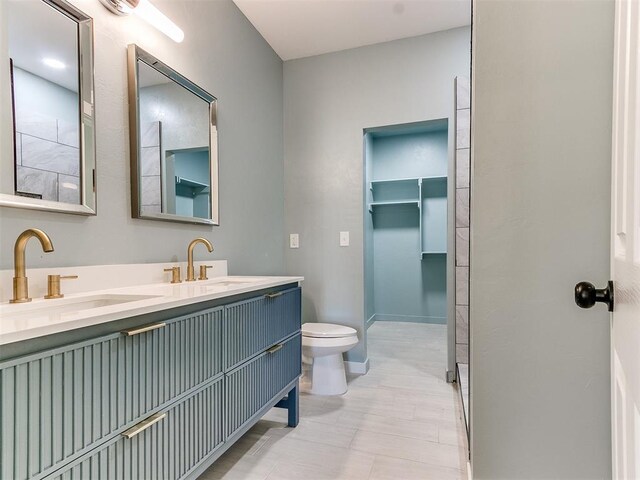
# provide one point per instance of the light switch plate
(294, 240)
(344, 239)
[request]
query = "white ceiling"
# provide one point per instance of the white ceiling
(38, 31)
(301, 28)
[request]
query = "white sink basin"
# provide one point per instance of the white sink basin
(67, 305)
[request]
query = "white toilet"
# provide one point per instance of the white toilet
(322, 347)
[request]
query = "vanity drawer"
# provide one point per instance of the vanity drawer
(253, 325)
(56, 405)
(252, 385)
(169, 449)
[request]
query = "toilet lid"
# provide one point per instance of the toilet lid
(326, 330)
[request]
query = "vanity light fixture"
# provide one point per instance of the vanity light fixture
(53, 63)
(150, 14)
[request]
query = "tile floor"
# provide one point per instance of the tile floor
(401, 421)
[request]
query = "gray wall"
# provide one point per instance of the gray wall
(540, 213)
(328, 101)
(225, 55)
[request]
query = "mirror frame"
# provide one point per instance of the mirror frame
(135, 54)
(86, 112)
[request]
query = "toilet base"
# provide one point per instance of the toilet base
(328, 376)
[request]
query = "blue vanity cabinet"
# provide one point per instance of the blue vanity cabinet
(180, 439)
(59, 404)
(210, 374)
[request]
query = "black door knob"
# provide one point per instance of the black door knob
(587, 295)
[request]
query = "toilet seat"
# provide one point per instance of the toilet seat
(327, 330)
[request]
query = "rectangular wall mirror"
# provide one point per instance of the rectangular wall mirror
(174, 153)
(47, 107)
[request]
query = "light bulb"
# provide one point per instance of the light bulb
(155, 17)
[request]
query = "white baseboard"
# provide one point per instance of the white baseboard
(357, 368)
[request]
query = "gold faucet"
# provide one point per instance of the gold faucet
(20, 280)
(191, 277)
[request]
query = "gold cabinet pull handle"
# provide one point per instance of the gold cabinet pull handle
(146, 328)
(143, 425)
(274, 349)
(273, 295)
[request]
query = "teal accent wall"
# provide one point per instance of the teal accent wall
(193, 165)
(419, 154)
(407, 286)
(433, 204)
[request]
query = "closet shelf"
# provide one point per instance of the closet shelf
(186, 187)
(435, 177)
(187, 182)
(415, 203)
(409, 181)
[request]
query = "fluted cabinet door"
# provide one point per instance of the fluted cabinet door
(60, 404)
(251, 386)
(253, 325)
(169, 449)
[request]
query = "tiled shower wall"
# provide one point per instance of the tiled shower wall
(463, 135)
(48, 158)
(150, 166)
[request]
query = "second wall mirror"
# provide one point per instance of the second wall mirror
(174, 144)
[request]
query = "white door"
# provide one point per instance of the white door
(625, 246)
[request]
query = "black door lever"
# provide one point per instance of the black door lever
(587, 295)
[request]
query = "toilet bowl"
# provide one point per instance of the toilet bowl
(322, 347)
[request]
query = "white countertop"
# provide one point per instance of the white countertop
(45, 317)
